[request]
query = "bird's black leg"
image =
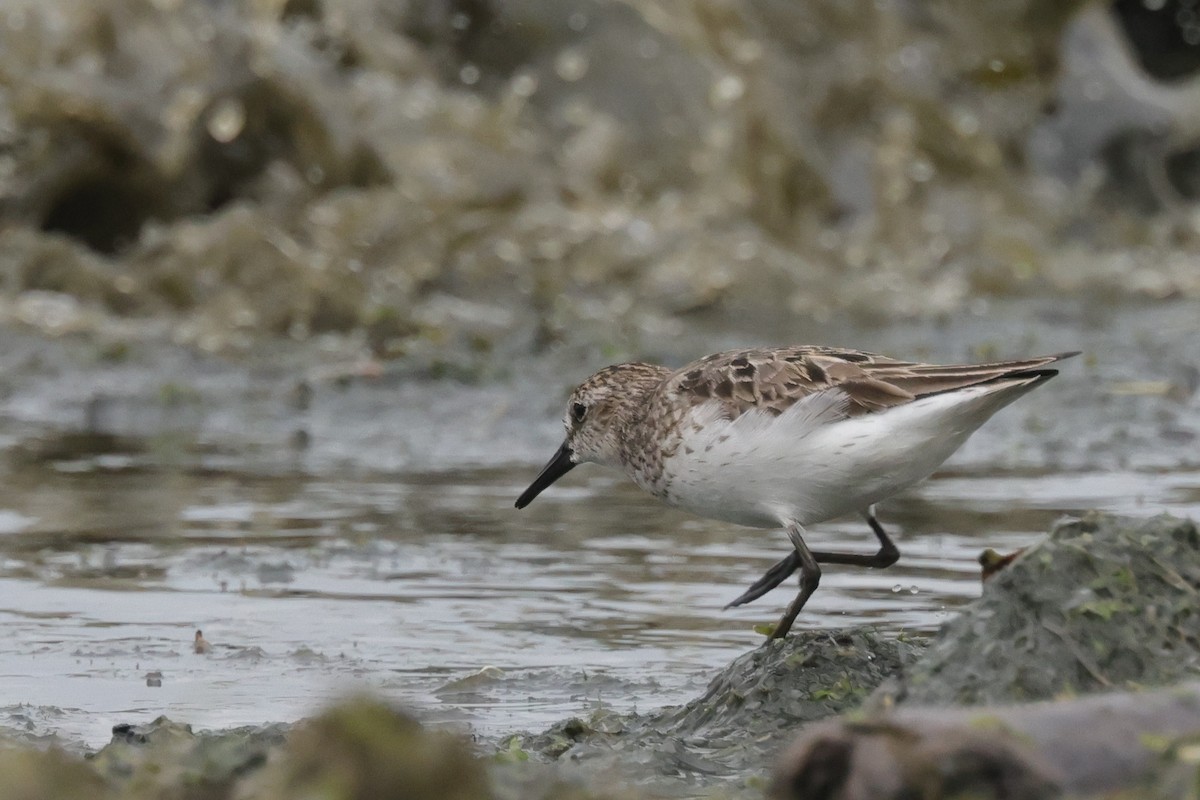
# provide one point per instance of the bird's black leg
(810, 578)
(775, 576)
(887, 555)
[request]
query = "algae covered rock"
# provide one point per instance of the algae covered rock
(749, 710)
(785, 683)
(363, 750)
(1104, 602)
(28, 774)
(156, 759)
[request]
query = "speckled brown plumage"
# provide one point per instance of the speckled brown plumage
(773, 379)
(784, 437)
(646, 404)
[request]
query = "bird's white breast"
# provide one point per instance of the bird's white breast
(813, 462)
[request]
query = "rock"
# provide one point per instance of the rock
(363, 750)
(750, 709)
(28, 774)
(1094, 746)
(1104, 602)
(154, 760)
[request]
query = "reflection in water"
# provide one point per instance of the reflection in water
(431, 588)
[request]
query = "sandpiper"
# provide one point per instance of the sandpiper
(784, 437)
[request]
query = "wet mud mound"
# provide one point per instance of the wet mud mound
(1104, 602)
(749, 711)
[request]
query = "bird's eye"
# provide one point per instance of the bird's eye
(578, 410)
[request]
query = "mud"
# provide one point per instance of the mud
(1100, 604)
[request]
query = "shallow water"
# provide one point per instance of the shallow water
(433, 590)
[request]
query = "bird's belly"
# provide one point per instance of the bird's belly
(835, 472)
(748, 497)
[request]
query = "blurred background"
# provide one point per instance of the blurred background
(292, 293)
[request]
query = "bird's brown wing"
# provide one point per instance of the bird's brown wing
(774, 379)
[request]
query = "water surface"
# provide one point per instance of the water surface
(432, 589)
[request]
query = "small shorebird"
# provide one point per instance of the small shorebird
(784, 437)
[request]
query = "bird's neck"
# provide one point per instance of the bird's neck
(640, 415)
(640, 381)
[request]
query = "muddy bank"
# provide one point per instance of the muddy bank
(747, 714)
(471, 205)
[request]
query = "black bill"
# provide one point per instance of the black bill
(559, 465)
